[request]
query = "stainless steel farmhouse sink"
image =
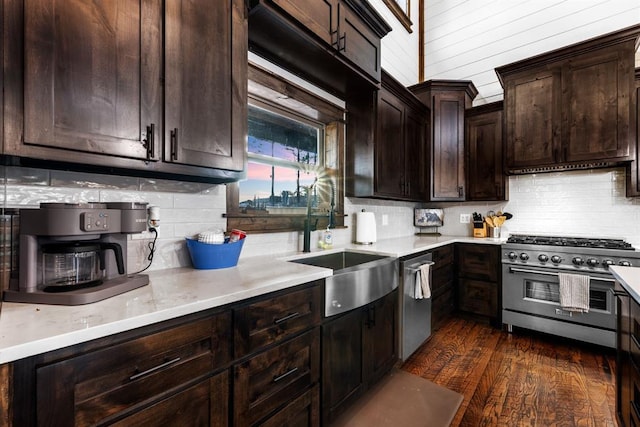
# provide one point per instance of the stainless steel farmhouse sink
(358, 278)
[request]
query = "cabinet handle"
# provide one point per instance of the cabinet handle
(371, 317)
(285, 375)
(285, 318)
(335, 44)
(174, 144)
(344, 43)
(155, 368)
(149, 143)
(460, 189)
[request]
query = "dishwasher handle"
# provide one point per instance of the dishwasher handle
(416, 269)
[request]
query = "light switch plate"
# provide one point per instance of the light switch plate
(385, 219)
(465, 218)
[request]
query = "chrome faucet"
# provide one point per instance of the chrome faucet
(306, 242)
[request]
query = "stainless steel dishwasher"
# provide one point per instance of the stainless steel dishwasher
(415, 314)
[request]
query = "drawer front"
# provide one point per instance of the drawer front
(272, 320)
(108, 383)
(301, 412)
(441, 280)
(478, 297)
(274, 377)
(443, 256)
(204, 404)
(480, 262)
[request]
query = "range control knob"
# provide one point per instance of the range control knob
(556, 259)
(592, 262)
(512, 255)
(524, 256)
(607, 262)
(543, 258)
(577, 260)
(625, 263)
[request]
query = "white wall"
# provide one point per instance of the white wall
(399, 47)
(468, 39)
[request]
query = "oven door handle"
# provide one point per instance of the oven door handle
(547, 273)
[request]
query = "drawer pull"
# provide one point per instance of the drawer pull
(285, 318)
(285, 375)
(155, 368)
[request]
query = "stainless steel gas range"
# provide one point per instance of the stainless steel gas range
(530, 284)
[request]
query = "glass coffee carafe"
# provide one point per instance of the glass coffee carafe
(75, 263)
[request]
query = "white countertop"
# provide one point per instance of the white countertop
(30, 329)
(629, 278)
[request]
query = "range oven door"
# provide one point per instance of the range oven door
(535, 291)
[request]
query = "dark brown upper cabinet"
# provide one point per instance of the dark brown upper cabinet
(633, 172)
(85, 86)
(331, 43)
(206, 83)
(448, 100)
(571, 108)
(393, 166)
(483, 147)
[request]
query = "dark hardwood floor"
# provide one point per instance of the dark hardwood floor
(519, 379)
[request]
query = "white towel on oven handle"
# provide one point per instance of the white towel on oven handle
(574, 292)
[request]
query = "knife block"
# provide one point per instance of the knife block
(480, 229)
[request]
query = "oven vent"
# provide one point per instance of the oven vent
(562, 167)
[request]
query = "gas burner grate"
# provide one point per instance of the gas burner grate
(578, 242)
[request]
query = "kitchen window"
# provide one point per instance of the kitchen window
(294, 147)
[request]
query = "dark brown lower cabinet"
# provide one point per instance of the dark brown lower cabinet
(623, 357)
(270, 379)
(479, 280)
(182, 372)
(442, 286)
(358, 348)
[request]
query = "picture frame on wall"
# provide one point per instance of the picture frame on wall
(402, 10)
(428, 218)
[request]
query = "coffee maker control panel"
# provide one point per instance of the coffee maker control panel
(97, 221)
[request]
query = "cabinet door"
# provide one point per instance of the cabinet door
(206, 83)
(633, 171)
(533, 113)
(623, 362)
(389, 150)
(357, 42)
(5, 391)
(342, 374)
(91, 77)
(318, 17)
(597, 90)
(415, 138)
(485, 178)
(447, 168)
(380, 339)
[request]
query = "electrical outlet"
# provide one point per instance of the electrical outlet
(385, 219)
(465, 218)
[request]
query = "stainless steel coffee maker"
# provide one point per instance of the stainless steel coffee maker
(72, 254)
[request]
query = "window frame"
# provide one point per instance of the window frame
(272, 90)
